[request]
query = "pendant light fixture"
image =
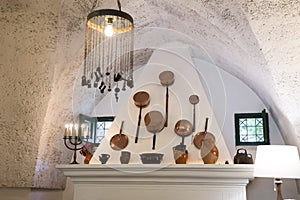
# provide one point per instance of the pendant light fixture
(108, 52)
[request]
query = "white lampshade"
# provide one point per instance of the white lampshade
(277, 161)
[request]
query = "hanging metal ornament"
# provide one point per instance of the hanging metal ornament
(108, 52)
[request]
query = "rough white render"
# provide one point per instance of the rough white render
(42, 50)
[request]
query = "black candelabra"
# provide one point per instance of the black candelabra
(75, 141)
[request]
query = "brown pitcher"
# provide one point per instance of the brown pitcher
(209, 153)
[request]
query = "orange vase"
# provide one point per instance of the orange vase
(87, 159)
(180, 154)
(182, 157)
(209, 154)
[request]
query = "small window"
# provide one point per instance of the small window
(251, 129)
(94, 129)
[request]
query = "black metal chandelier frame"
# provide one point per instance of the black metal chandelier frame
(108, 52)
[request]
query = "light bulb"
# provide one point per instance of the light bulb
(109, 31)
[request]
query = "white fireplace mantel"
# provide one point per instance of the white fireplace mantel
(176, 182)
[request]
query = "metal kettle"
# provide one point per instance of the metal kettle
(242, 157)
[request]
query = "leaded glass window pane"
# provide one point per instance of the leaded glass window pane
(252, 128)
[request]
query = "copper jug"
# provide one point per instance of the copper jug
(209, 153)
(180, 154)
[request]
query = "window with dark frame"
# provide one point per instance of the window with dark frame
(94, 129)
(251, 129)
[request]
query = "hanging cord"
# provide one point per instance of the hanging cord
(119, 4)
(103, 54)
(94, 52)
(83, 81)
(90, 63)
(110, 63)
(114, 55)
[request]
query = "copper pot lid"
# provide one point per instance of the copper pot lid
(166, 78)
(194, 99)
(183, 128)
(154, 121)
(141, 99)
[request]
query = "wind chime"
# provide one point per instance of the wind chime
(108, 52)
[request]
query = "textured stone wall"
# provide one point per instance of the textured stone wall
(28, 42)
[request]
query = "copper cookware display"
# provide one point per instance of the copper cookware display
(194, 99)
(154, 122)
(166, 79)
(141, 99)
(183, 128)
(119, 141)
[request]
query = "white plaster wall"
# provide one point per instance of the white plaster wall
(230, 95)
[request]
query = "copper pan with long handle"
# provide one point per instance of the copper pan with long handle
(141, 99)
(204, 136)
(119, 141)
(166, 79)
(154, 122)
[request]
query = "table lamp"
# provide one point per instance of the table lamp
(277, 161)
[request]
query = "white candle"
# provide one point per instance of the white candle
(76, 130)
(71, 130)
(66, 130)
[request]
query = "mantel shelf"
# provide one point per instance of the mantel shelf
(195, 170)
(152, 180)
